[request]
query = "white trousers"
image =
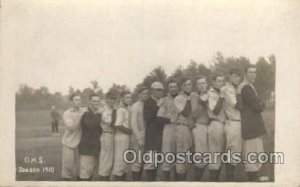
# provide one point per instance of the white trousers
(121, 145)
(233, 134)
(70, 162)
(168, 143)
(87, 166)
(200, 134)
(136, 166)
(254, 145)
(184, 141)
(106, 157)
(216, 143)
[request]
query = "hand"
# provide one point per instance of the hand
(222, 92)
(240, 87)
(160, 102)
(204, 97)
(191, 126)
(141, 143)
(262, 103)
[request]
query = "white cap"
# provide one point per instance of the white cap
(157, 85)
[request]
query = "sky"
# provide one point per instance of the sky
(69, 43)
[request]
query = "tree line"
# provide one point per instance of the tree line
(28, 98)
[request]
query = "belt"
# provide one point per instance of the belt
(233, 119)
(214, 119)
(107, 132)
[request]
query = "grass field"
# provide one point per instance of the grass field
(34, 140)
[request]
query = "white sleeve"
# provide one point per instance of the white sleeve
(179, 103)
(212, 101)
(120, 117)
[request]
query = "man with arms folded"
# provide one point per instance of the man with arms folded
(200, 131)
(232, 107)
(252, 123)
(216, 135)
(89, 145)
(184, 135)
(71, 139)
(153, 131)
(168, 114)
(108, 118)
(138, 130)
(122, 136)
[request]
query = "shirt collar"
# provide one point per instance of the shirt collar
(155, 99)
(172, 96)
(216, 89)
(92, 110)
(73, 109)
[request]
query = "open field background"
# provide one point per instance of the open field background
(34, 139)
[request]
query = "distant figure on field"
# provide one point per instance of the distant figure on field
(55, 117)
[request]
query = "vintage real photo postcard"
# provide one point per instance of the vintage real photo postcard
(149, 93)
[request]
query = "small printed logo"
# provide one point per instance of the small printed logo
(264, 179)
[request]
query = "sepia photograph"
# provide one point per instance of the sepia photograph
(139, 91)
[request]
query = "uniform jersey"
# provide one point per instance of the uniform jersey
(180, 103)
(72, 135)
(137, 120)
(199, 107)
(106, 118)
(123, 117)
(230, 104)
(167, 109)
(213, 98)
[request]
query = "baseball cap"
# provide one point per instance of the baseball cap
(157, 85)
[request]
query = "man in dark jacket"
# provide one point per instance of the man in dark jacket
(89, 146)
(252, 123)
(55, 117)
(153, 128)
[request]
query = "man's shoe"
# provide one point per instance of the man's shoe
(198, 174)
(103, 178)
(166, 175)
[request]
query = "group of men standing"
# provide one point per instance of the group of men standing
(226, 116)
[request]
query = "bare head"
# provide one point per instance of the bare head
(201, 84)
(173, 87)
(250, 73)
(75, 100)
(218, 81)
(143, 93)
(126, 97)
(187, 85)
(95, 101)
(111, 98)
(234, 76)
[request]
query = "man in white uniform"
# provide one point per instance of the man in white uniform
(232, 107)
(71, 139)
(122, 137)
(138, 130)
(108, 118)
(216, 136)
(184, 135)
(200, 131)
(168, 114)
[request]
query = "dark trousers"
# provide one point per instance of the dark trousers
(54, 126)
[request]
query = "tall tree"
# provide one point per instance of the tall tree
(157, 74)
(94, 84)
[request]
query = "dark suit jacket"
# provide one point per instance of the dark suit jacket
(252, 122)
(91, 131)
(154, 128)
